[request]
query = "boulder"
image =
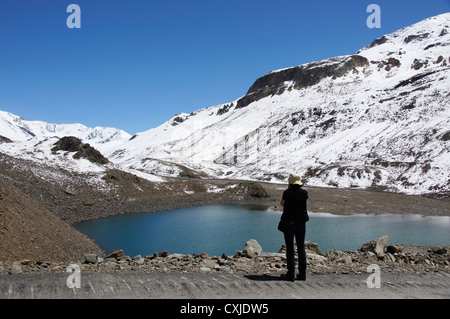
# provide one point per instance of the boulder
(252, 249)
(381, 243)
(90, 258)
(369, 246)
(16, 268)
(438, 250)
(117, 254)
(392, 249)
(165, 253)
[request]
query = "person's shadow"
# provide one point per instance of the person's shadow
(264, 277)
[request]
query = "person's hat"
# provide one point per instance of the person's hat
(294, 179)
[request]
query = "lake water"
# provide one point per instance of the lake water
(225, 229)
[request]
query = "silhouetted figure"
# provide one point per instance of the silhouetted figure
(292, 224)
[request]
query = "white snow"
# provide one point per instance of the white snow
(371, 127)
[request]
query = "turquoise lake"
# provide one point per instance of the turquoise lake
(221, 229)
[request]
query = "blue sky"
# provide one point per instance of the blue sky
(134, 64)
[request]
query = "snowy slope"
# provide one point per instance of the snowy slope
(34, 140)
(377, 118)
(17, 129)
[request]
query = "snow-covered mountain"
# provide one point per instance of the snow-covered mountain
(16, 128)
(379, 117)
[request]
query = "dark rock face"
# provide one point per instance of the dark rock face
(73, 144)
(4, 139)
(301, 76)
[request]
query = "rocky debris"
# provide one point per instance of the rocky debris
(404, 258)
(253, 189)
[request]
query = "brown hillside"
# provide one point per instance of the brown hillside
(29, 231)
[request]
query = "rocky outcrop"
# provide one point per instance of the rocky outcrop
(301, 77)
(73, 144)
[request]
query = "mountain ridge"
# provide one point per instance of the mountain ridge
(378, 118)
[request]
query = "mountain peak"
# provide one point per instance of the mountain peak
(377, 118)
(16, 128)
(276, 82)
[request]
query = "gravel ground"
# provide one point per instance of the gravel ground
(139, 285)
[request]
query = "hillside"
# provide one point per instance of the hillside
(29, 231)
(378, 119)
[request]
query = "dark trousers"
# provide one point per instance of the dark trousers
(299, 234)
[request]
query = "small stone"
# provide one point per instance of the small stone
(16, 268)
(391, 257)
(205, 269)
(438, 250)
(25, 262)
(348, 259)
(139, 260)
(165, 253)
(90, 258)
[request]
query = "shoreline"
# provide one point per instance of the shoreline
(73, 197)
(391, 258)
(335, 201)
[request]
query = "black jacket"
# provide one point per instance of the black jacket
(295, 204)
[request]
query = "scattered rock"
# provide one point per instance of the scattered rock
(395, 258)
(315, 257)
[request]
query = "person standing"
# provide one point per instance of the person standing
(293, 224)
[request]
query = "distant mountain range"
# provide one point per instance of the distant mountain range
(377, 118)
